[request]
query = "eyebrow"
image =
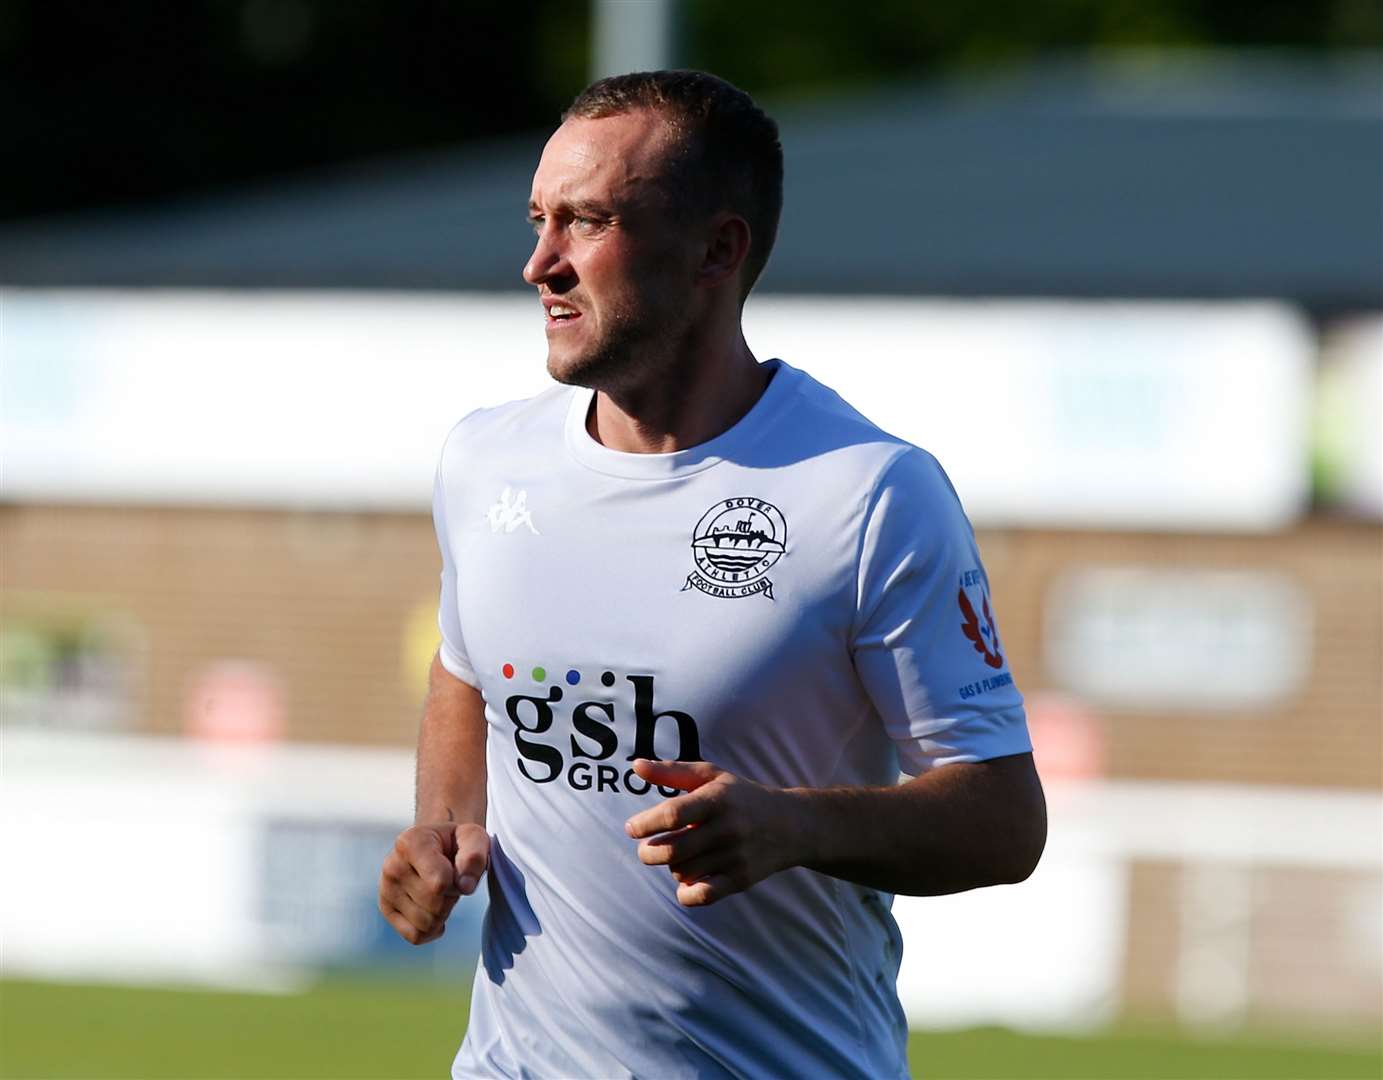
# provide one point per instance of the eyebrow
(580, 206)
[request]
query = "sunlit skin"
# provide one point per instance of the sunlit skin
(654, 291)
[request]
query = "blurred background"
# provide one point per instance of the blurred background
(1117, 263)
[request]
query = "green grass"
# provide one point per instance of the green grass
(344, 1029)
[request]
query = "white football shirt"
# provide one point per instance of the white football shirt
(799, 600)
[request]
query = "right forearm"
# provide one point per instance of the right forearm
(451, 752)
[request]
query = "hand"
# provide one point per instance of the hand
(725, 835)
(430, 868)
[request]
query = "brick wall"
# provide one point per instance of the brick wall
(1329, 732)
(332, 602)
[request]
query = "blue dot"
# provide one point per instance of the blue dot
(573, 676)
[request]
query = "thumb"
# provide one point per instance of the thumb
(687, 775)
(472, 856)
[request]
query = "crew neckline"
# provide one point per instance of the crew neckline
(692, 459)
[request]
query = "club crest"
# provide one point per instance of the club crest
(734, 545)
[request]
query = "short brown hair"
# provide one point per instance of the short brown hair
(732, 158)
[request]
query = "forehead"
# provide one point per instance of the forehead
(620, 159)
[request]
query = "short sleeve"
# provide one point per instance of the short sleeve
(453, 648)
(926, 641)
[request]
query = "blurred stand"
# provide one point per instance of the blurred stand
(219, 574)
(212, 862)
(1217, 904)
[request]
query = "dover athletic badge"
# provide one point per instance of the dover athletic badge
(734, 545)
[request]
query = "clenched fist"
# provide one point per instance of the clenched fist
(429, 869)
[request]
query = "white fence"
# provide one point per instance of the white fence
(167, 860)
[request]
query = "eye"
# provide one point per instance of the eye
(535, 222)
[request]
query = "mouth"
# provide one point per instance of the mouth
(559, 314)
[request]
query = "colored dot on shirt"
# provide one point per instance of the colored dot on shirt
(573, 676)
(608, 678)
(539, 674)
(508, 670)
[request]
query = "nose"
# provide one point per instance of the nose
(548, 260)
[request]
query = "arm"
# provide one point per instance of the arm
(957, 827)
(442, 857)
(451, 752)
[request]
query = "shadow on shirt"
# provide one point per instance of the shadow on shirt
(509, 920)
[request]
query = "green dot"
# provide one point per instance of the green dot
(539, 674)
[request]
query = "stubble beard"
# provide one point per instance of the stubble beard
(633, 347)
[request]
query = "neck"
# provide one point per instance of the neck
(691, 402)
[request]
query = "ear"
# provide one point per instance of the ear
(727, 246)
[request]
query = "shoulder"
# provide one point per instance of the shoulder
(514, 425)
(846, 438)
(914, 474)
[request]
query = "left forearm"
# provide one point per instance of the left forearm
(955, 828)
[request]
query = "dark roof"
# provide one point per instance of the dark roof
(1167, 177)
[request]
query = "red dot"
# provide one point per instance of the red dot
(508, 670)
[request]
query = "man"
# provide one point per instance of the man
(696, 612)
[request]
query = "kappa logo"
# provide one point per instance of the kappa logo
(736, 542)
(510, 512)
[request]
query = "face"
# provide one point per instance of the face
(613, 267)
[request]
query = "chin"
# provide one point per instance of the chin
(572, 372)
(596, 372)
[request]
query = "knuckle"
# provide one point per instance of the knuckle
(413, 840)
(432, 935)
(400, 924)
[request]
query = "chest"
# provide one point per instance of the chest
(619, 606)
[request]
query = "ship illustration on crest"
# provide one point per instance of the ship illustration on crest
(736, 542)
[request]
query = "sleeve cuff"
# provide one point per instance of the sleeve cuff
(966, 739)
(452, 661)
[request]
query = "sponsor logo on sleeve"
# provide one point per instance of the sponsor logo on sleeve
(979, 627)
